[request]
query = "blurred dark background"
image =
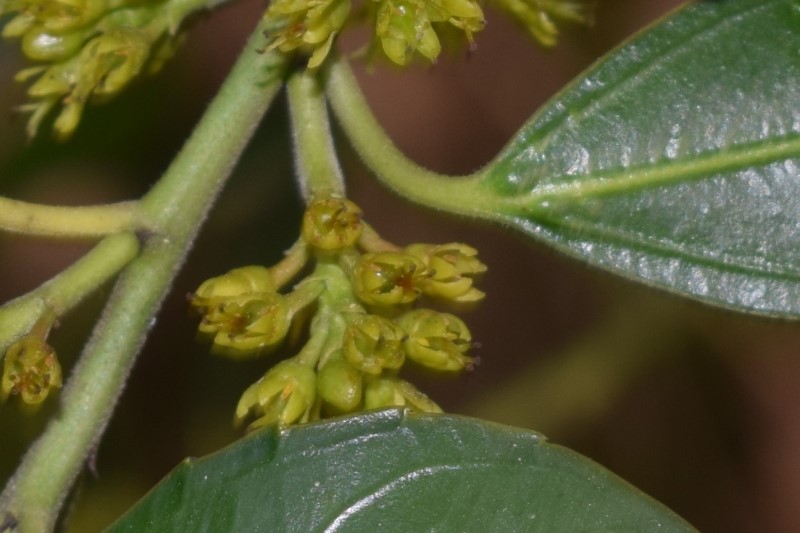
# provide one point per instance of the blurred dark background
(694, 406)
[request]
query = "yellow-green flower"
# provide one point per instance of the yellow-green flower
(404, 27)
(308, 25)
(451, 269)
(243, 280)
(285, 395)
(30, 370)
(383, 392)
(332, 223)
(340, 385)
(373, 343)
(247, 324)
(437, 340)
(388, 278)
(91, 50)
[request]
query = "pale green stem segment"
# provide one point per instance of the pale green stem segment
(318, 170)
(328, 325)
(68, 288)
(461, 195)
(174, 210)
(62, 221)
(294, 261)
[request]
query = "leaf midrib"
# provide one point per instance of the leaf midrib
(704, 165)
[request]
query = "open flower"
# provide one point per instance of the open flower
(388, 278)
(437, 340)
(451, 269)
(308, 25)
(247, 324)
(243, 280)
(30, 370)
(373, 343)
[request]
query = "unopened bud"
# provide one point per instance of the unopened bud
(394, 392)
(40, 44)
(332, 223)
(339, 384)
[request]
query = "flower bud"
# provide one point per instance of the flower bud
(372, 343)
(436, 340)
(40, 44)
(382, 392)
(234, 283)
(388, 278)
(247, 324)
(30, 370)
(450, 270)
(339, 384)
(332, 223)
(284, 395)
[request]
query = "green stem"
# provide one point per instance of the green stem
(61, 221)
(292, 263)
(174, 209)
(68, 288)
(318, 170)
(328, 325)
(461, 195)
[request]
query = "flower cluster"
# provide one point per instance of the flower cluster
(88, 50)
(361, 294)
(403, 28)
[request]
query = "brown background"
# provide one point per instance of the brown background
(692, 405)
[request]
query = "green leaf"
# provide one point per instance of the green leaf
(389, 471)
(674, 161)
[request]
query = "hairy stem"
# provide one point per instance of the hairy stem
(174, 209)
(67, 289)
(61, 221)
(318, 170)
(455, 194)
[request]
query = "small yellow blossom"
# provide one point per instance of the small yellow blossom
(308, 25)
(284, 395)
(30, 370)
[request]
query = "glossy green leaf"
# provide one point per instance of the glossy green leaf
(675, 160)
(388, 471)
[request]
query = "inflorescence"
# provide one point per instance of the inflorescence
(90, 50)
(360, 301)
